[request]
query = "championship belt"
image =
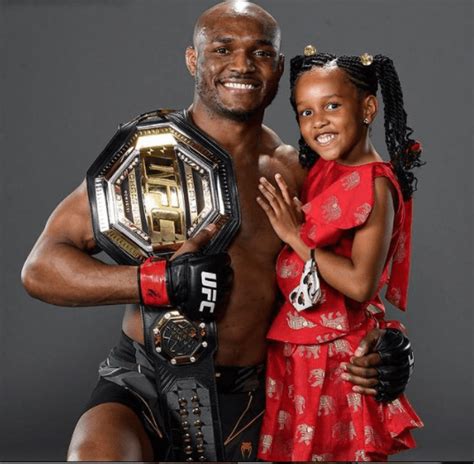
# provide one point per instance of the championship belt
(159, 181)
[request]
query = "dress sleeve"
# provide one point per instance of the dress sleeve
(397, 287)
(345, 204)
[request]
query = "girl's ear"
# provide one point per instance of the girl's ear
(371, 107)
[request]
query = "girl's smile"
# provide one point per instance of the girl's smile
(325, 139)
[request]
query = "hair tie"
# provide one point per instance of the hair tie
(310, 50)
(366, 59)
(414, 149)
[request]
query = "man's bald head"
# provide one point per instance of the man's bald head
(237, 9)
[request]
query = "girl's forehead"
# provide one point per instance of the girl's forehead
(323, 79)
(323, 74)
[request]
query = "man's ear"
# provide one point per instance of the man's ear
(191, 60)
(281, 64)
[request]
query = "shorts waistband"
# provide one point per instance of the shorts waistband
(229, 379)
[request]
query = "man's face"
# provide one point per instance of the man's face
(236, 65)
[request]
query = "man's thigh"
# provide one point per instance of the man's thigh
(110, 432)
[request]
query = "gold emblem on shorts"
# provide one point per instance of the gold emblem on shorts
(246, 449)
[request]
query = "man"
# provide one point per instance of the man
(236, 63)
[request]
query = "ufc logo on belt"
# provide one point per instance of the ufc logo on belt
(209, 289)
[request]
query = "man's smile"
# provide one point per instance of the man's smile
(239, 85)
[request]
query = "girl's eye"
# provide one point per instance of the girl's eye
(306, 113)
(332, 106)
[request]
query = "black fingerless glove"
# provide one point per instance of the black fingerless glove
(199, 284)
(396, 367)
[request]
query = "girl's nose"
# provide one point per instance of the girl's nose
(319, 121)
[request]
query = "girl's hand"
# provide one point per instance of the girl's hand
(284, 212)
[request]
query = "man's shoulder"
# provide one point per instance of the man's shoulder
(283, 157)
(275, 146)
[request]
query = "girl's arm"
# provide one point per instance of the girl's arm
(358, 276)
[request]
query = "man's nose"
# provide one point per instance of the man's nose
(242, 62)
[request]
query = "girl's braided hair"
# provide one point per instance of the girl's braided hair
(403, 150)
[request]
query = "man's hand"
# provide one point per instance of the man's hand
(198, 242)
(381, 365)
(195, 283)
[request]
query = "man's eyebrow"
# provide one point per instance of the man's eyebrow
(223, 39)
(265, 42)
(226, 40)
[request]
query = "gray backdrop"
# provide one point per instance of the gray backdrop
(72, 70)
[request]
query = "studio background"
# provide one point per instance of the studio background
(72, 70)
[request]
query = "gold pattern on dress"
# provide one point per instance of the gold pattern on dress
(284, 419)
(395, 407)
(321, 457)
(300, 404)
(326, 405)
(308, 351)
(401, 251)
(274, 388)
(316, 377)
(296, 322)
(350, 181)
(354, 400)
(266, 443)
(339, 346)
(343, 432)
(371, 437)
(305, 433)
(362, 213)
(330, 209)
(334, 321)
(361, 456)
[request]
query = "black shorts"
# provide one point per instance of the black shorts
(241, 393)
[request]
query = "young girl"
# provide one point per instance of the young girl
(355, 239)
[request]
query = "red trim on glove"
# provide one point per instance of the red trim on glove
(152, 281)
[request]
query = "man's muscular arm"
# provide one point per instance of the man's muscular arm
(60, 269)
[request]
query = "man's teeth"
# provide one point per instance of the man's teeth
(237, 85)
(325, 138)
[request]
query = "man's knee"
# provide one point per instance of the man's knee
(91, 450)
(109, 432)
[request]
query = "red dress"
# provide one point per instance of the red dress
(312, 414)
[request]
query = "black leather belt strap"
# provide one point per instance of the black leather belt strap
(186, 389)
(184, 361)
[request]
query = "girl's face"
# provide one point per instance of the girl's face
(331, 115)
